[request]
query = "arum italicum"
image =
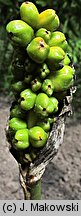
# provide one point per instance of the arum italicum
(42, 76)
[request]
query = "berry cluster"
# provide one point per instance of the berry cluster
(42, 74)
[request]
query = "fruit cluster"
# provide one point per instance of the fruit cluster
(42, 74)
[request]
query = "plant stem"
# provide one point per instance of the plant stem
(31, 187)
(35, 191)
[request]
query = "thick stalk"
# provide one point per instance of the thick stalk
(35, 191)
(31, 185)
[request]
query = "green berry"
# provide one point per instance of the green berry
(58, 39)
(20, 32)
(62, 79)
(44, 33)
(38, 137)
(49, 20)
(29, 13)
(47, 87)
(17, 124)
(55, 56)
(43, 71)
(36, 84)
(27, 99)
(38, 50)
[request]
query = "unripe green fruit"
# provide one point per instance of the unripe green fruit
(36, 84)
(43, 71)
(43, 33)
(27, 99)
(55, 56)
(21, 135)
(40, 65)
(55, 24)
(38, 50)
(48, 19)
(17, 124)
(58, 39)
(43, 105)
(21, 139)
(38, 137)
(29, 13)
(47, 87)
(20, 32)
(62, 79)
